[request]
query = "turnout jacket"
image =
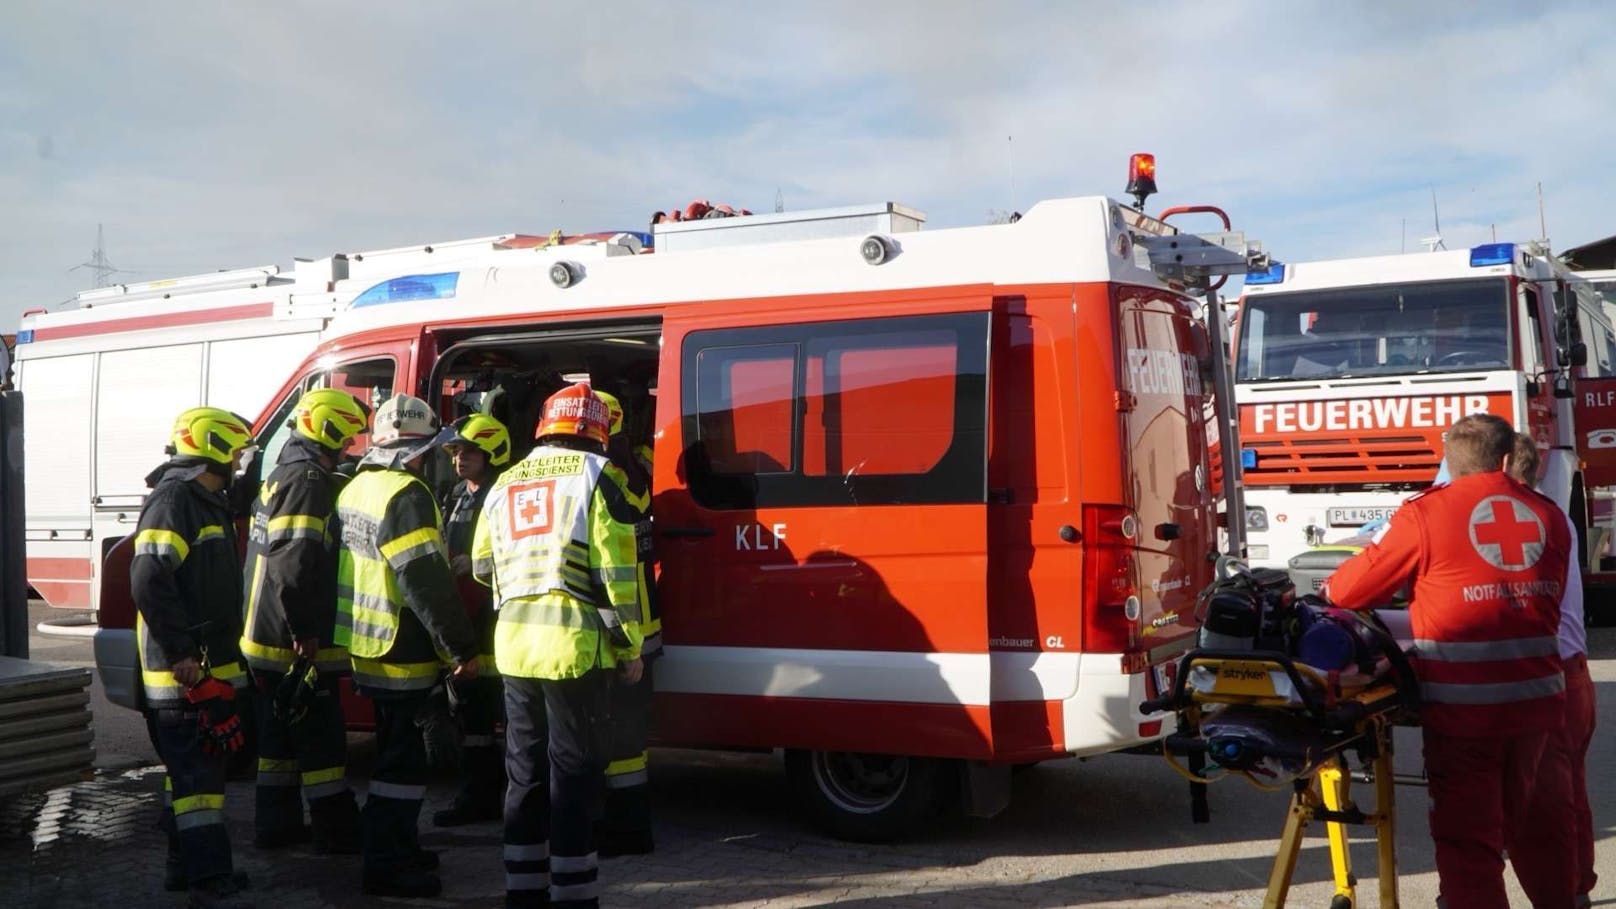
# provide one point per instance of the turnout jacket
(397, 609)
(291, 571)
(1488, 558)
(185, 574)
(556, 543)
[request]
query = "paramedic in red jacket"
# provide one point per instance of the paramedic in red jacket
(1487, 559)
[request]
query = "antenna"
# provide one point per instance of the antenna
(1542, 222)
(98, 263)
(1434, 242)
(1010, 143)
(779, 201)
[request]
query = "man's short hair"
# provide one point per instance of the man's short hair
(1478, 444)
(1523, 459)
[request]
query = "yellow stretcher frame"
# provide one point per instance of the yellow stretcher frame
(1325, 794)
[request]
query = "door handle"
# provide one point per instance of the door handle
(685, 532)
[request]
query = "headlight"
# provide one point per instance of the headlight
(1256, 518)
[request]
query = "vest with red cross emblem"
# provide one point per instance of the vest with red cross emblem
(1488, 559)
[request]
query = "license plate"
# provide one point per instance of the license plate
(1355, 517)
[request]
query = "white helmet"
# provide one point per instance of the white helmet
(404, 427)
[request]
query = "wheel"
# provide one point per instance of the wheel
(864, 797)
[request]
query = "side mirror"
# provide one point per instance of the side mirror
(1579, 354)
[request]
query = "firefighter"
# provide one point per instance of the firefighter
(186, 580)
(1565, 776)
(480, 446)
(400, 617)
(1488, 561)
(291, 613)
(556, 544)
(625, 826)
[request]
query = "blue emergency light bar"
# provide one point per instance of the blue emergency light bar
(1274, 275)
(1492, 254)
(410, 287)
(26, 336)
(1248, 459)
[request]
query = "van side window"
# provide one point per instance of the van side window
(371, 381)
(867, 412)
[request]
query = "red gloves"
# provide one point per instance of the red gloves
(217, 723)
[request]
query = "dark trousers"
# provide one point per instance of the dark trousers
(628, 781)
(193, 796)
(308, 760)
(556, 734)
(482, 710)
(393, 804)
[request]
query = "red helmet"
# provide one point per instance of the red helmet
(575, 411)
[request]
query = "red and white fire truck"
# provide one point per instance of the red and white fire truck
(99, 376)
(1348, 372)
(928, 504)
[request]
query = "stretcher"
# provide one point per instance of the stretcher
(1276, 722)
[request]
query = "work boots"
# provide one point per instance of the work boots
(222, 892)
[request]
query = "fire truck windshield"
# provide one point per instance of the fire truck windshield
(1378, 330)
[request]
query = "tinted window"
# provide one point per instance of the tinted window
(869, 412)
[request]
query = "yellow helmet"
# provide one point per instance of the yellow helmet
(613, 407)
(483, 431)
(210, 433)
(330, 417)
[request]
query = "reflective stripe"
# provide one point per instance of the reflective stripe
(398, 791)
(628, 780)
(653, 640)
(296, 527)
(526, 852)
(277, 764)
(210, 532)
(627, 765)
(395, 676)
(168, 792)
(207, 800)
(568, 864)
(1486, 651)
(161, 543)
(412, 545)
(207, 817)
(324, 790)
(536, 881)
(279, 659)
(1482, 693)
(324, 775)
(547, 612)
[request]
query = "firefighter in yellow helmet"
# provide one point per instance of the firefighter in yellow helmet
(625, 825)
(556, 544)
(401, 619)
(186, 582)
(291, 598)
(481, 447)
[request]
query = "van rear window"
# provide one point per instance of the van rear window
(866, 412)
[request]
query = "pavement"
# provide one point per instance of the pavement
(1109, 832)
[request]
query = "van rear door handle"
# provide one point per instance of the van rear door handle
(685, 532)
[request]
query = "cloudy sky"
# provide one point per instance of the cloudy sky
(208, 136)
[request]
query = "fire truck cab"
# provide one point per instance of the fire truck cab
(1348, 372)
(927, 504)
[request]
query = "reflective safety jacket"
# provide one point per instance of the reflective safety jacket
(1488, 558)
(397, 610)
(291, 589)
(634, 484)
(557, 546)
(186, 581)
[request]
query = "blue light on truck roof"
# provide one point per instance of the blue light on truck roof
(1492, 254)
(410, 287)
(1274, 275)
(1248, 459)
(26, 336)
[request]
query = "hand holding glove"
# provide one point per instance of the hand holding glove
(217, 721)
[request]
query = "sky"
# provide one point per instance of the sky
(211, 136)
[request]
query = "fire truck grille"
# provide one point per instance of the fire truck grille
(1352, 460)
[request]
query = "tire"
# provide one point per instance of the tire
(865, 798)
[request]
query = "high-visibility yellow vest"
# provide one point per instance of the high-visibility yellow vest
(370, 606)
(557, 546)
